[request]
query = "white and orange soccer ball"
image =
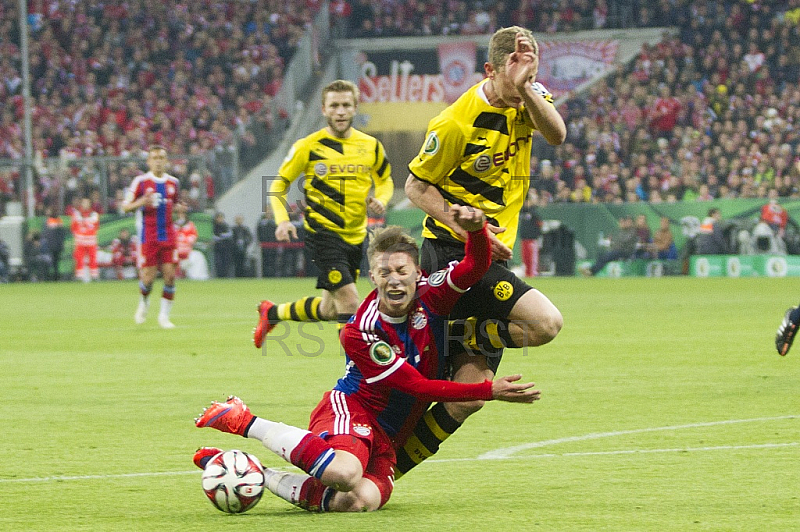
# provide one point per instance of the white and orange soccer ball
(233, 481)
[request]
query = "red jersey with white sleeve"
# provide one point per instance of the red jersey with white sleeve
(186, 234)
(154, 221)
(84, 227)
(395, 365)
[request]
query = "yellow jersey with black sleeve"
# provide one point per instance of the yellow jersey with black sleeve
(339, 174)
(479, 155)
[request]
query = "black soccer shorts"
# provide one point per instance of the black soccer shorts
(492, 297)
(338, 262)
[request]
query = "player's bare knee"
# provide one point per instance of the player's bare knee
(344, 477)
(550, 325)
(461, 411)
(364, 497)
(537, 331)
(360, 504)
(353, 501)
(327, 314)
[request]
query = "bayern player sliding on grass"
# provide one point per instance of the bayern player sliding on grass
(394, 344)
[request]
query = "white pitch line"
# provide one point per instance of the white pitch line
(95, 477)
(504, 454)
(479, 458)
(625, 451)
(510, 451)
(687, 449)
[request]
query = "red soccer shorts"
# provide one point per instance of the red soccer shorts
(157, 253)
(347, 426)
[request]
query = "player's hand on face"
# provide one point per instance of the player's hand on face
(285, 232)
(499, 250)
(468, 218)
(508, 389)
(376, 206)
(522, 65)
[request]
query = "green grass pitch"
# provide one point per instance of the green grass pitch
(664, 407)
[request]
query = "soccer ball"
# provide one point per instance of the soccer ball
(233, 481)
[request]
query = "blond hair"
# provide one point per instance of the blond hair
(391, 239)
(503, 43)
(340, 85)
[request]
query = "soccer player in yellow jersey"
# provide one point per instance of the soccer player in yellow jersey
(340, 165)
(477, 152)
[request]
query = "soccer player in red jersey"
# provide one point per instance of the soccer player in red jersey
(186, 236)
(85, 223)
(394, 370)
(152, 196)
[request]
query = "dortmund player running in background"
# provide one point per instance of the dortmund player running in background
(340, 165)
(477, 153)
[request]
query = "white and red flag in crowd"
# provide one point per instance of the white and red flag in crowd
(457, 65)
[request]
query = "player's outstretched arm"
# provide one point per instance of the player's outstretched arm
(430, 200)
(507, 389)
(477, 252)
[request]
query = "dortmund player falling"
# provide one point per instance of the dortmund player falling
(477, 153)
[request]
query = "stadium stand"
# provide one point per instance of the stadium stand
(111, 78)
(390, 18)
(709, 112)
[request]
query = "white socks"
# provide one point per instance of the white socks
(279, 438)
(284, 484)
(166, 307)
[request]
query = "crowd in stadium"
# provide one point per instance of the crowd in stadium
(389, 18)
(113, 78)
(708, 112)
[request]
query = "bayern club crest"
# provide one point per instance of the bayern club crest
(455, 72)
(419, 320)
(362, 430)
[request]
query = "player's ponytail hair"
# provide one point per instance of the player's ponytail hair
(391, 239)
(503, 43)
